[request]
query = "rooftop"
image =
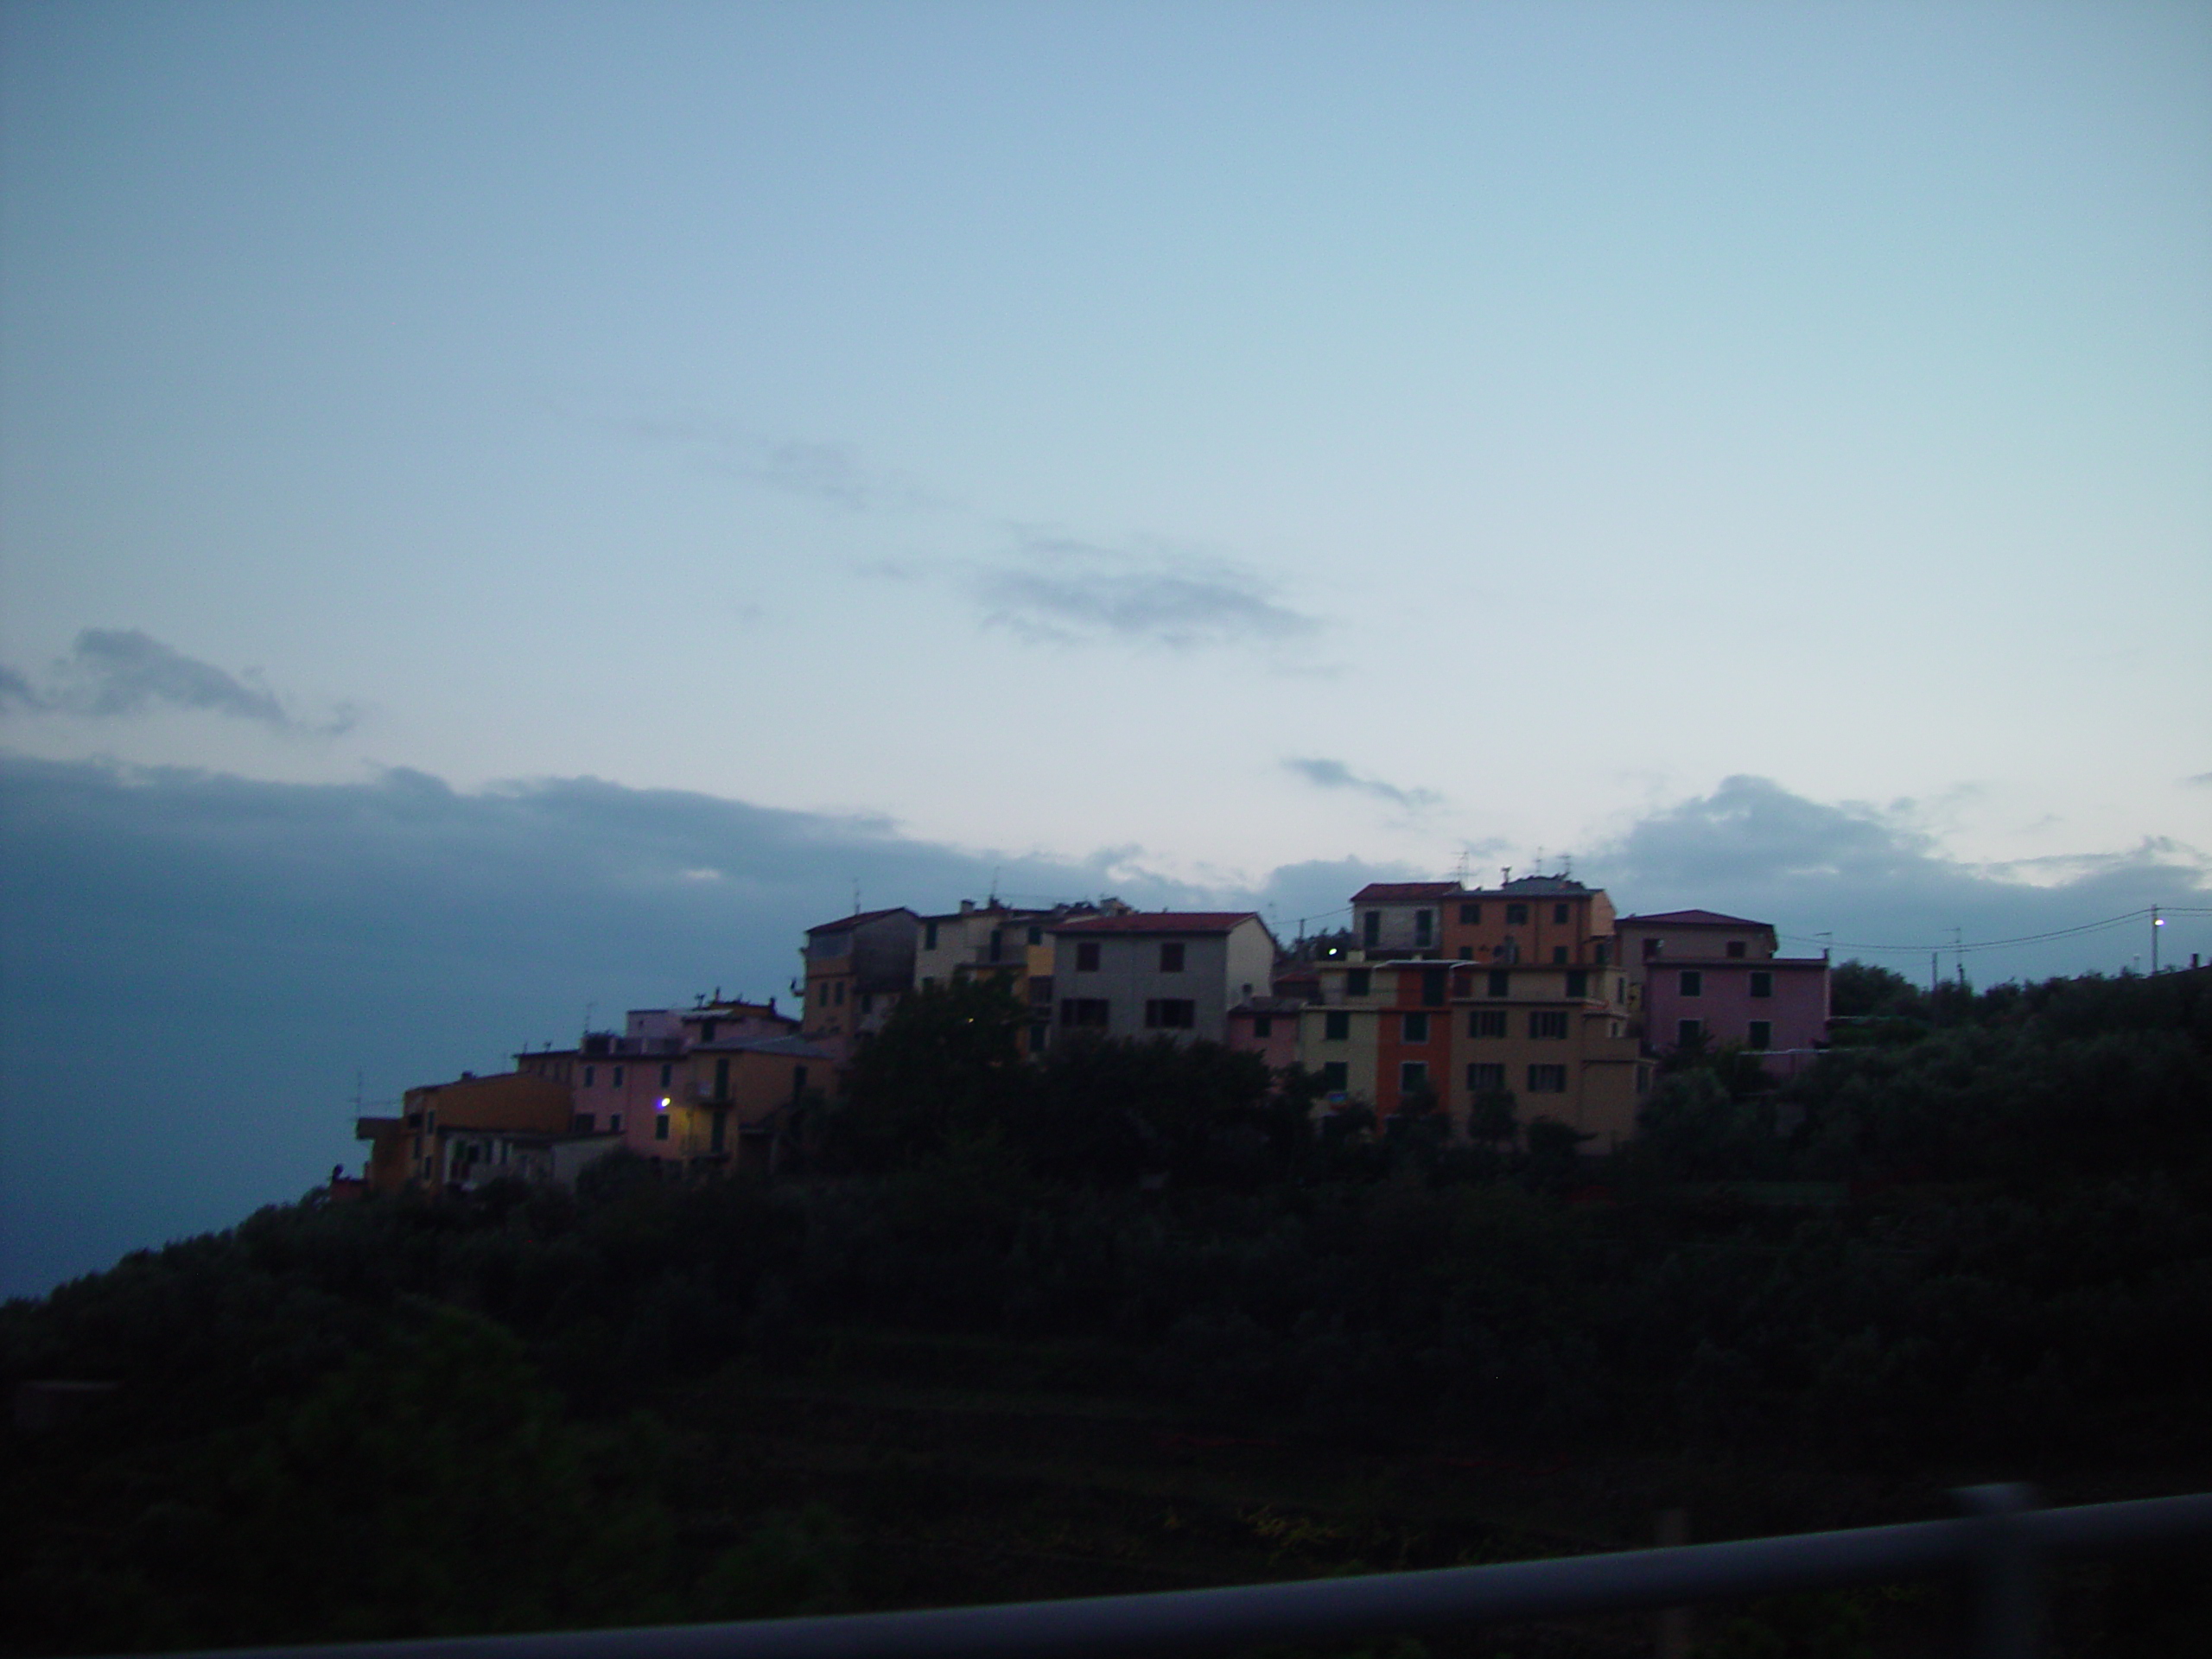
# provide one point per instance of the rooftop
(1161, 921)
(1696, 919)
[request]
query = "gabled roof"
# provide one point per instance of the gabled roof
(1379, 893)
(1163, 921)
(855, 920)
(1697, 918)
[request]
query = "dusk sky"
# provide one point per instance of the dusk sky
(506, 506)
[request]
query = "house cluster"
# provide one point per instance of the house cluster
(1438, 995)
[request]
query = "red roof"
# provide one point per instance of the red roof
(1699, 919)
(1163, 921)
(1383, 892)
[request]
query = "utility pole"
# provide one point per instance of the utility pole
(1934, 977)
(2156, 922)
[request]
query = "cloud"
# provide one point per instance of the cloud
(1334, 774)
(112, 672)
(18, 692)
(2201, 780)
(1882, 888)
(822, 471)
(1063, 591)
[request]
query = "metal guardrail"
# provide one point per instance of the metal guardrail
(2000, 1542)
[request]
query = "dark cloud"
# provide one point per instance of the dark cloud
(1870, 877)
(193, 965)
(122, 672)
(1064, 591)
(2201, 780)
(1334, 774)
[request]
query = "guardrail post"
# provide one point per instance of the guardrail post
(2007, 1576)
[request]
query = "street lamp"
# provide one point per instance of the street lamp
(2156, 922)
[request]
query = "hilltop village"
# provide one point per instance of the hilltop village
(1440, 996)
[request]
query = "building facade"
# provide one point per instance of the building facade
(1173, 974)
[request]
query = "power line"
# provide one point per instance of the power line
(1955, 945)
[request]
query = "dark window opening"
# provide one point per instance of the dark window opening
(1487, 1022)
(1762, 1034)
(1435, 983)
(1577, 983)
(1170, 1013)
(1501, 982)
(1762, 982)
(1516, 915)
(1086, 956)
(1547, 1079)
(1084, 1011)
(1171, 958)
(1735, 947)
(1470, 914)
(1550, 1024)
(1414, 1028)
(1263, 1024)
(1358, 982)
(1336, 1027)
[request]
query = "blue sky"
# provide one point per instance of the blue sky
(1187, 450)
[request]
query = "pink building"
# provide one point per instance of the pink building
(1776, 1005)
(1266, 1027)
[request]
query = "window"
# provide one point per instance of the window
(1358, 982)
(1547, 1023)
(929, 982)
(1516, 915)
(1336, 1027)
(1735, 948)
(1171, 958)
(1414, 1027)
(1434, 983)
(867, 1002)
(1601, 954)
(1039, 1033)
(1693, 982)
(1487, 1022)
(1170, 1013)
(1577, 983)
(1484, 1076)
(1413, 1077)
(582, 1124)
(667, 1076)
(1689, 1032)
(721, 1078)
(997, 950)
(660, 1126)
(1762, 982)
(798, 1081)
(1559, 953)
(1501, 982)
(1086, 956)
(1466, 953)
(718, 1137)
(1335, 1077)
(1371, 929)
(839, 996)
(706, 1027)
(591, 1075)
(1037, 935)
(1263, 1024)
(1470, 914)
(617, 1077)
(1547, 1079)
(1762, 1034)
(1041, 991)
(1424, 926)
(1558, 912)
(1652, 947)
(929, 936)
(615, 1124)
(1084, 1011)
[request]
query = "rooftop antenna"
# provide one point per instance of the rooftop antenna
(1460, 870)
(856, 895)
(588, 1008)
(996, 869)
(1539, 860)
(1567, 864)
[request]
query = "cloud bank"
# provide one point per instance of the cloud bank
(193, 966)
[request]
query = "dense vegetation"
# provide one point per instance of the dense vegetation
(1977, 1236)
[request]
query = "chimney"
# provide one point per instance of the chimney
(967, 906)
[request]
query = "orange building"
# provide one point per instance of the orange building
(471, 1130)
